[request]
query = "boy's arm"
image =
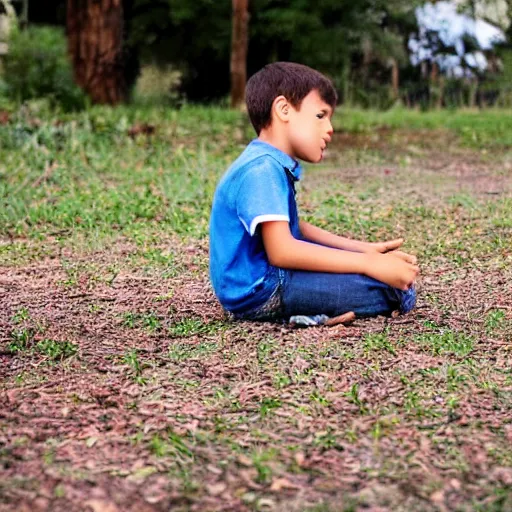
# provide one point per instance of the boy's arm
(323, 237)
(285, 251)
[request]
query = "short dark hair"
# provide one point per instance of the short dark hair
(293, 81)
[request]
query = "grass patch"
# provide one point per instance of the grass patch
(476, 128)
(377, 342)
(104, 225)
(446, 342)
(184, 351)
(68, 179)
(56, 350)
(193, 326)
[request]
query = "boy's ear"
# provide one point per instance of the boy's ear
(281, 108)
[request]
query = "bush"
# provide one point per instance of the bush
(157, 85)
(37, 66)
(376, 97)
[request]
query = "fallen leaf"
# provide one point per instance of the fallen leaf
(300, 458)
(216, 489)
(437, 497)
(282, 483)
(213, 469)
(101, 506)
(266, 503)
(455, 484)
(141, 128)
(244, 460)
(91, 441)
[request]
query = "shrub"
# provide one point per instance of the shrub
(157, 85)
(37, 66)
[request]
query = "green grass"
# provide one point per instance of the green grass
(56, 350)
(184, 351)
(476, 128)
(446, 342)
(112, 229)
(378, 341)
(148, 321)
(22, 341)
(82, 181)
(191, 326)
(86, 177)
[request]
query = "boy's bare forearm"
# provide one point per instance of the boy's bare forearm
(323, 237)
(301, 255)
(285, 251)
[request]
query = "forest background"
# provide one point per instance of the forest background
(202, 51)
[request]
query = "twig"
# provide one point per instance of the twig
(451, 419)
(79, 295)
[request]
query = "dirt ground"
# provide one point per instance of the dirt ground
(134, 392)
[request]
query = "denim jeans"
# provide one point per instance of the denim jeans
(312, 293)
(301, 292)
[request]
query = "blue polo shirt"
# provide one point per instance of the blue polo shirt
(258, 187)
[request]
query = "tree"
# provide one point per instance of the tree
(360, 45)
(95, 42)
(239, 42)
(195, 36)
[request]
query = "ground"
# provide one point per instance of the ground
(124, 387)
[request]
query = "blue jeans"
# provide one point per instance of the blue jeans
(313, 293)
(300, 292)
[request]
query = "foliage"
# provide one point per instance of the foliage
(327, 35)
(501, 81)
(56, 350)
(193, 36)
(157, 85)
(37, 66)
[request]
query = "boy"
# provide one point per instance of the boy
(265, 263)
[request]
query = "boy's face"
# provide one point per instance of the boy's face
(310, 128)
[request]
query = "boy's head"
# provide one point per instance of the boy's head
(288, 79)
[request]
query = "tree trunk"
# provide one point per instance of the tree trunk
(95, 42)
(436, 86)
(440, 98)
(508, 32)
(395, 77)
(239, 43)
(366, 48)
(24, 15)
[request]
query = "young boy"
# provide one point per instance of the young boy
(265, 263)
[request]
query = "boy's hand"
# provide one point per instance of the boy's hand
(395, 268)
(383, 247)
(391, 246)
(392, 269)
(409, 258)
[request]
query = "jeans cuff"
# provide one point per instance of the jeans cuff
(407, 300)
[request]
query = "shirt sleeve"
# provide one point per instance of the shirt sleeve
(263, 196)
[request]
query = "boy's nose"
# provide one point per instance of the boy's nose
(330, 130)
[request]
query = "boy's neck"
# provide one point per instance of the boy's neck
(276, 138)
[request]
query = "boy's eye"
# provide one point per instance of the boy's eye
(321, 115)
